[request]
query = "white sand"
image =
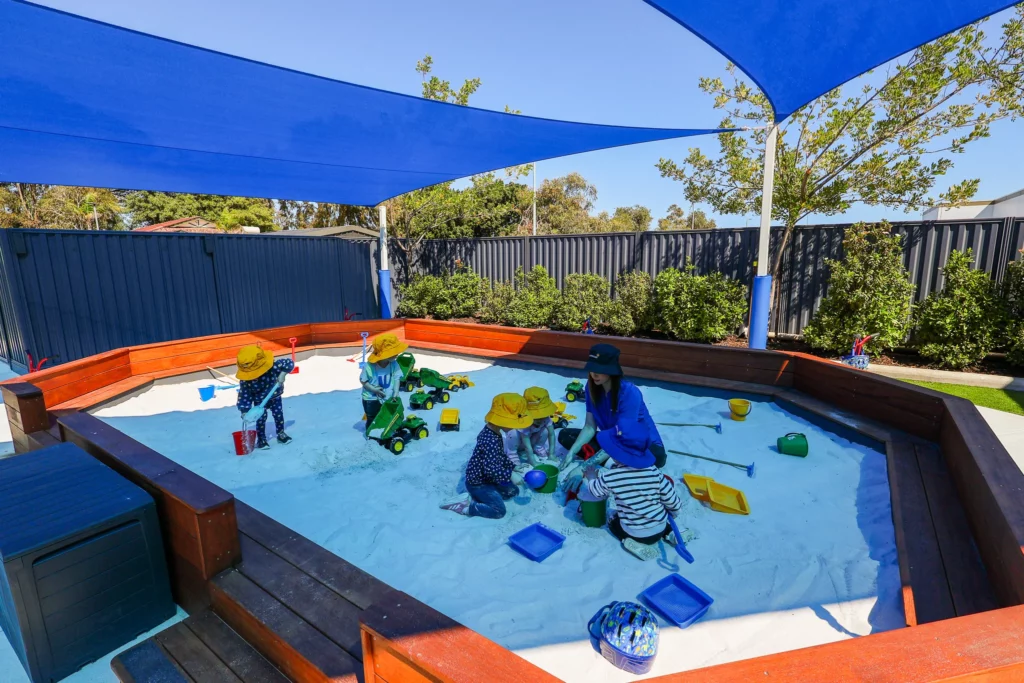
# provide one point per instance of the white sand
(815, 561)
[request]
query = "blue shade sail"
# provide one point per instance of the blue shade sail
(798, 50)
(87, 103)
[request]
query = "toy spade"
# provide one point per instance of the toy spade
(680, 545)
(256, 412)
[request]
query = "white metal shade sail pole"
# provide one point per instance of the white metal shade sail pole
(384, 276)
(761, 297)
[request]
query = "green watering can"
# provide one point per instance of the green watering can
(793, 444)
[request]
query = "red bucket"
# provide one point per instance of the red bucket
(245, 441)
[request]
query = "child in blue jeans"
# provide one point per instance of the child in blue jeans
(489, 471)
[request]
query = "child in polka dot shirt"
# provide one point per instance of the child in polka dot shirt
(489, 471)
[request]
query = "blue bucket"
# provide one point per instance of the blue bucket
(206, 393)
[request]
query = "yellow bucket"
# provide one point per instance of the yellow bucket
(739, 409)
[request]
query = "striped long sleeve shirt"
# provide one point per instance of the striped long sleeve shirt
(643, 497)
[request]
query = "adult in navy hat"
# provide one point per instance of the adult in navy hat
(613, 403)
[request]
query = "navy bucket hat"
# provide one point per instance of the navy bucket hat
(604, 359)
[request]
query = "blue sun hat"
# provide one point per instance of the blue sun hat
(628, 635)
(627, 444)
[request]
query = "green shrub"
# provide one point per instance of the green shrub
(869, 292)
(495, 302)
(702, 308)
(584, 297)
(1015, 347)
(452, 295)
(1012, 294)
(631, 311)
(535, 295)
(959, 325)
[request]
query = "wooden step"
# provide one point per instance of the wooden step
(291, 643)
(200, 649)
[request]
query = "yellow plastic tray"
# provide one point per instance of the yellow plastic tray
(720, 497)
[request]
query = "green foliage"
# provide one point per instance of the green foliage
(701, 308)
(535, 296)
(959, 325)
(452, 295)
(676, 219)
(585, 296)
(1013, 301)
(24, 205)
(632, 309)
(878, 141)
(869, 292)
(495, 302)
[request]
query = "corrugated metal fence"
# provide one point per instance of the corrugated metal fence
(71, 294)
(804, 278)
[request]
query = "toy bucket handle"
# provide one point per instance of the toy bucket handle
(796, 434)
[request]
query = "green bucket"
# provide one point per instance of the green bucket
(793, 444)
(593, 509)
(552, 483)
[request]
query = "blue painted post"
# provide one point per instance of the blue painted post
(760, 308)
(384, 275)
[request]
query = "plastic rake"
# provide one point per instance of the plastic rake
(749, 469)
(716, 427)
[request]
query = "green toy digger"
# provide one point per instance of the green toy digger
(410, 375)
(393, 429)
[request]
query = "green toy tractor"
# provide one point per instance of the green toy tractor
(393, 429)
(410, 375)
(574, 391)
(421, 400)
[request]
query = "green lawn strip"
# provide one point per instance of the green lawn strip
(997, 399)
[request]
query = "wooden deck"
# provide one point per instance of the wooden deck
(261, 593)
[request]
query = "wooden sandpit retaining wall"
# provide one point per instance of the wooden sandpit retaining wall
(415, 644)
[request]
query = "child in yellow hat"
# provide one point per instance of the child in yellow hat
(536, 441)
(381, 377)
(489, 471)
(257, 374)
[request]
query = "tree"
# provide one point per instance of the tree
(631, 219)
(675, 219)
(295, 215)
(57, 206)
(149, 208)
(882, 144)
(564, 205)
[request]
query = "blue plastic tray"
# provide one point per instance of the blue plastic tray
(536, 541)
(678, 600)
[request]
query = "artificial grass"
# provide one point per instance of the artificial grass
(997, 399)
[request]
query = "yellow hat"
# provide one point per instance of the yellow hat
(509, 411)
(538, 403)
(386, 346)
(253, 362)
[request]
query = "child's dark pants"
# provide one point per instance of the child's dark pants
(273, 407)
(618, 532)
(489, 499)
(371, 407)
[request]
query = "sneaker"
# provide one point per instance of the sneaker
(639, 550)
(689, 535)
(262, 444)
(459, 506)
(283, 438)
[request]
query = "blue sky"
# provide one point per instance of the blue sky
(600, 61)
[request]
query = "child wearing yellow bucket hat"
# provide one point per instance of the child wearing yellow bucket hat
(257, 374)
(381, 376)
(489, 471)
(530, 444)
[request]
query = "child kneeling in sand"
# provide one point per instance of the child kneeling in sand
(644, 496)
(531, 444)
(489, 471)
(381, 375)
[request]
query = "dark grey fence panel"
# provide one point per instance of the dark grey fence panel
(72, 294)
(803, 278)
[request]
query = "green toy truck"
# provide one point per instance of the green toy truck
(574, 391)
(393, 429)
(410, 375)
